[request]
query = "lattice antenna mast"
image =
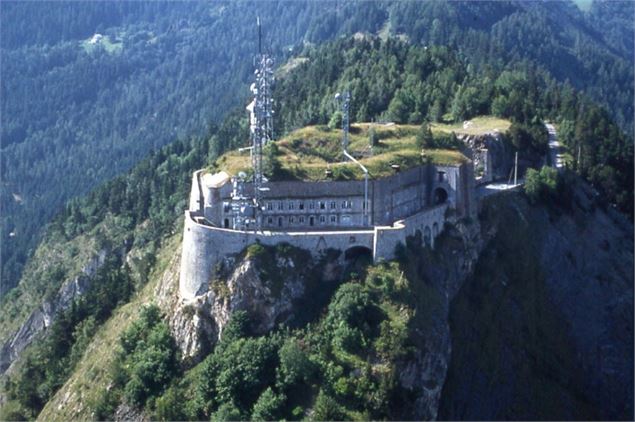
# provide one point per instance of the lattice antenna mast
(261, 119)
(345, 100)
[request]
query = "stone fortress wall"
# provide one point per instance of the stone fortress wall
(400, 205)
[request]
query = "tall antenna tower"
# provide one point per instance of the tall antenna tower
(261, 110)
(345, 100)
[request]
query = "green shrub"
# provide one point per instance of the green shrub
(541, 185)
(373, 138)
(169, 406)
(148, 358)
(268, 406)
(295, 366)
(327, 409)
(424, 136)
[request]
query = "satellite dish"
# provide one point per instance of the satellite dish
(337, 96)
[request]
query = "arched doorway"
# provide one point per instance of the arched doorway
(440, 196)
(356, 262)
(357, 252)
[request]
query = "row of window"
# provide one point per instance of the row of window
(311, 205)
(302, 220)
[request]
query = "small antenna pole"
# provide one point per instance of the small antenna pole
(259, 35)
(516, 169)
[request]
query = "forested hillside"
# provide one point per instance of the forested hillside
(76, 113)
(134, 215)
(77, 110)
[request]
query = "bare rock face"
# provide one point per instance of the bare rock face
(265, 286)
(454, 260)
(492, 157)
(42, 317)
(544, 328)
(125, 412)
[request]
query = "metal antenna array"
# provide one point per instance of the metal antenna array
(241, 206)
(345, 100)
(261, 122)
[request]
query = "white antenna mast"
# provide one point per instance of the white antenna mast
(261, 119)
(345, 99)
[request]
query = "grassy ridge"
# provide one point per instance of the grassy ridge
(92, 376)
(305, 154)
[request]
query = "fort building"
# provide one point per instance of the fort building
(318, 193)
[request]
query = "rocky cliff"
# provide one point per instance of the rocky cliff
(544, 327)
(44, 315)
(268, 282)
(525, 312)
(493, 157)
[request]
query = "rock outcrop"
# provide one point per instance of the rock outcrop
(493, 157)
(42, 317)
(266, 285)
(544, 328)
(452, 263)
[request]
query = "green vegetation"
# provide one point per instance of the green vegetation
(343, 366)
(93, 375)
(306, 154)
(46, 366)
(541, 185)
(148, 359)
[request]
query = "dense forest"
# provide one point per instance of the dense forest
(79, 112)
(392, 80)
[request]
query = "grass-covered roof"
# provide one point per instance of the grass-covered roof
(306, 154)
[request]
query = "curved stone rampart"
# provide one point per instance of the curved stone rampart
(206, 246)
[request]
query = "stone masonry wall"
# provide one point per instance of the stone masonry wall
(204, 246)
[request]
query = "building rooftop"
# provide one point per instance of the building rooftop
(306, 154)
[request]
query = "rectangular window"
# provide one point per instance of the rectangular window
(301, 206)
(333, 219)
(291, 205)
(301, 218)
(441, 175)
(269, 206)
(333, 206)
(280, 205)
(291, 220)
(322, 219)
(311, 205)
(269, 220)
(322, 205)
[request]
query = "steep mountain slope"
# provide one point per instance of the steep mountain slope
(163, 71)
(80, 110)
(544, 328)
(145, 206)
(495, 314)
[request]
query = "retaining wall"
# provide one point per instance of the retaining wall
(205, 246)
